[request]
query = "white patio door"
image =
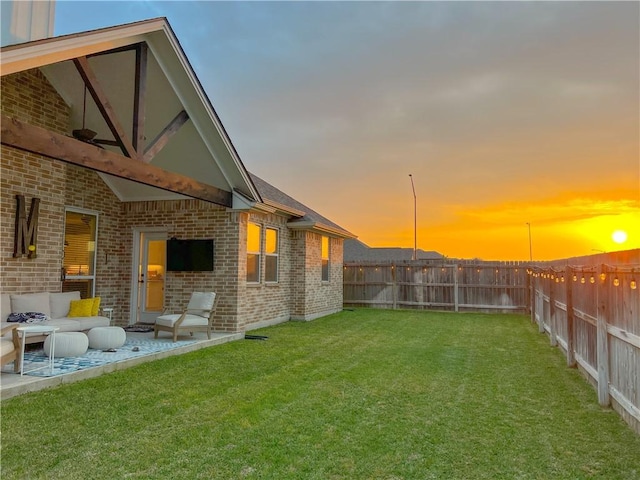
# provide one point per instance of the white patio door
(149, 281)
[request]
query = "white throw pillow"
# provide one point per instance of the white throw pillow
(31, 302)
(60, 302)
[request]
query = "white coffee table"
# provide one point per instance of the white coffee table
(40, 330)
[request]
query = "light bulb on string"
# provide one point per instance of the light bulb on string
(603, 276)
(592, 279)
(575, 277)
(633, 284)
(616, 282)
(583, 280)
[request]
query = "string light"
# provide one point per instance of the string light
(582, 280)
(603, 276)
(633, 284)
(592, 279)
(616, 282)
(575, 277)
(562, 278)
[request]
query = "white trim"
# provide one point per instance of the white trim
(319, 228)
(284, 209)
(24, 56)
(135, 262)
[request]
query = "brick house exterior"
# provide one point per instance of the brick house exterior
(30, 97)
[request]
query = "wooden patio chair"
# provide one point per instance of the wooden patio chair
(10, 347)
(197, 317)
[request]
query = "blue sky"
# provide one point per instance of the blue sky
(504, 112)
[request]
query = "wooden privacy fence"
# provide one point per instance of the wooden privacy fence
(466, 286)
(593, 313)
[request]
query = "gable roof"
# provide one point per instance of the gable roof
(303, 216)
(201, 149)
(357, 251)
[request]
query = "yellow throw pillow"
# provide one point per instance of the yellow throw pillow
(96, 307)
(81, 308)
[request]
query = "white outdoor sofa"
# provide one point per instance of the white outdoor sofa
(55, 306)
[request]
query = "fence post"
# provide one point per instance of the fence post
(455, 288)
(571, 356)
(553, 334)
(529, 296)
(394, 287)
(541, 290)
(602, 293)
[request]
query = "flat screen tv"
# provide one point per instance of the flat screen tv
(189, 255)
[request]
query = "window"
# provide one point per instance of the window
(80, 235)
(254, 232)
(325, 259)
(271, 255)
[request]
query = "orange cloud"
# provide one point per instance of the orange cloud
(567, 225)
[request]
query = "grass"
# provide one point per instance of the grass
(367, 394)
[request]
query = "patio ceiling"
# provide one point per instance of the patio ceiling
(197, 147)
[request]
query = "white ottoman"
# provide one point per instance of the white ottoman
(103, 338)
(68, 344)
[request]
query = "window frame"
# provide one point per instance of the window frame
(275, 254)
(90, 277)
(257, 253)
(325, 271)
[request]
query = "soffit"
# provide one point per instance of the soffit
(200, 149)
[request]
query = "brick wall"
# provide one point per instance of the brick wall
(192, 219)
(263, 303)
(29, 97)
(299, 293)
(313, 297)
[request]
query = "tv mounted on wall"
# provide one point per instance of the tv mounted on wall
(189, 255)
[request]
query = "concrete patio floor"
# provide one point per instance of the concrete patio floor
(12, 384)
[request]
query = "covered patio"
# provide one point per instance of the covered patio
(14, 384)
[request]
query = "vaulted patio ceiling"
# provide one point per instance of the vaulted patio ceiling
(143, 101)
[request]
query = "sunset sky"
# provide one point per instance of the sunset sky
(505, 113)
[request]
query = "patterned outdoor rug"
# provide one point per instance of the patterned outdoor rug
(94, 358)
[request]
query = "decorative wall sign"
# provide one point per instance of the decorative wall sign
(26, 238)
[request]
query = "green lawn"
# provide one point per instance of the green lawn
(365, 394)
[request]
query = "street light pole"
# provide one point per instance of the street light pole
(415, 221)
(530, 249)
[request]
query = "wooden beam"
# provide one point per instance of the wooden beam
(139, 95)
(125, 48)
(23, 136)
(105, 141)
(102, 102)
(161, 140)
